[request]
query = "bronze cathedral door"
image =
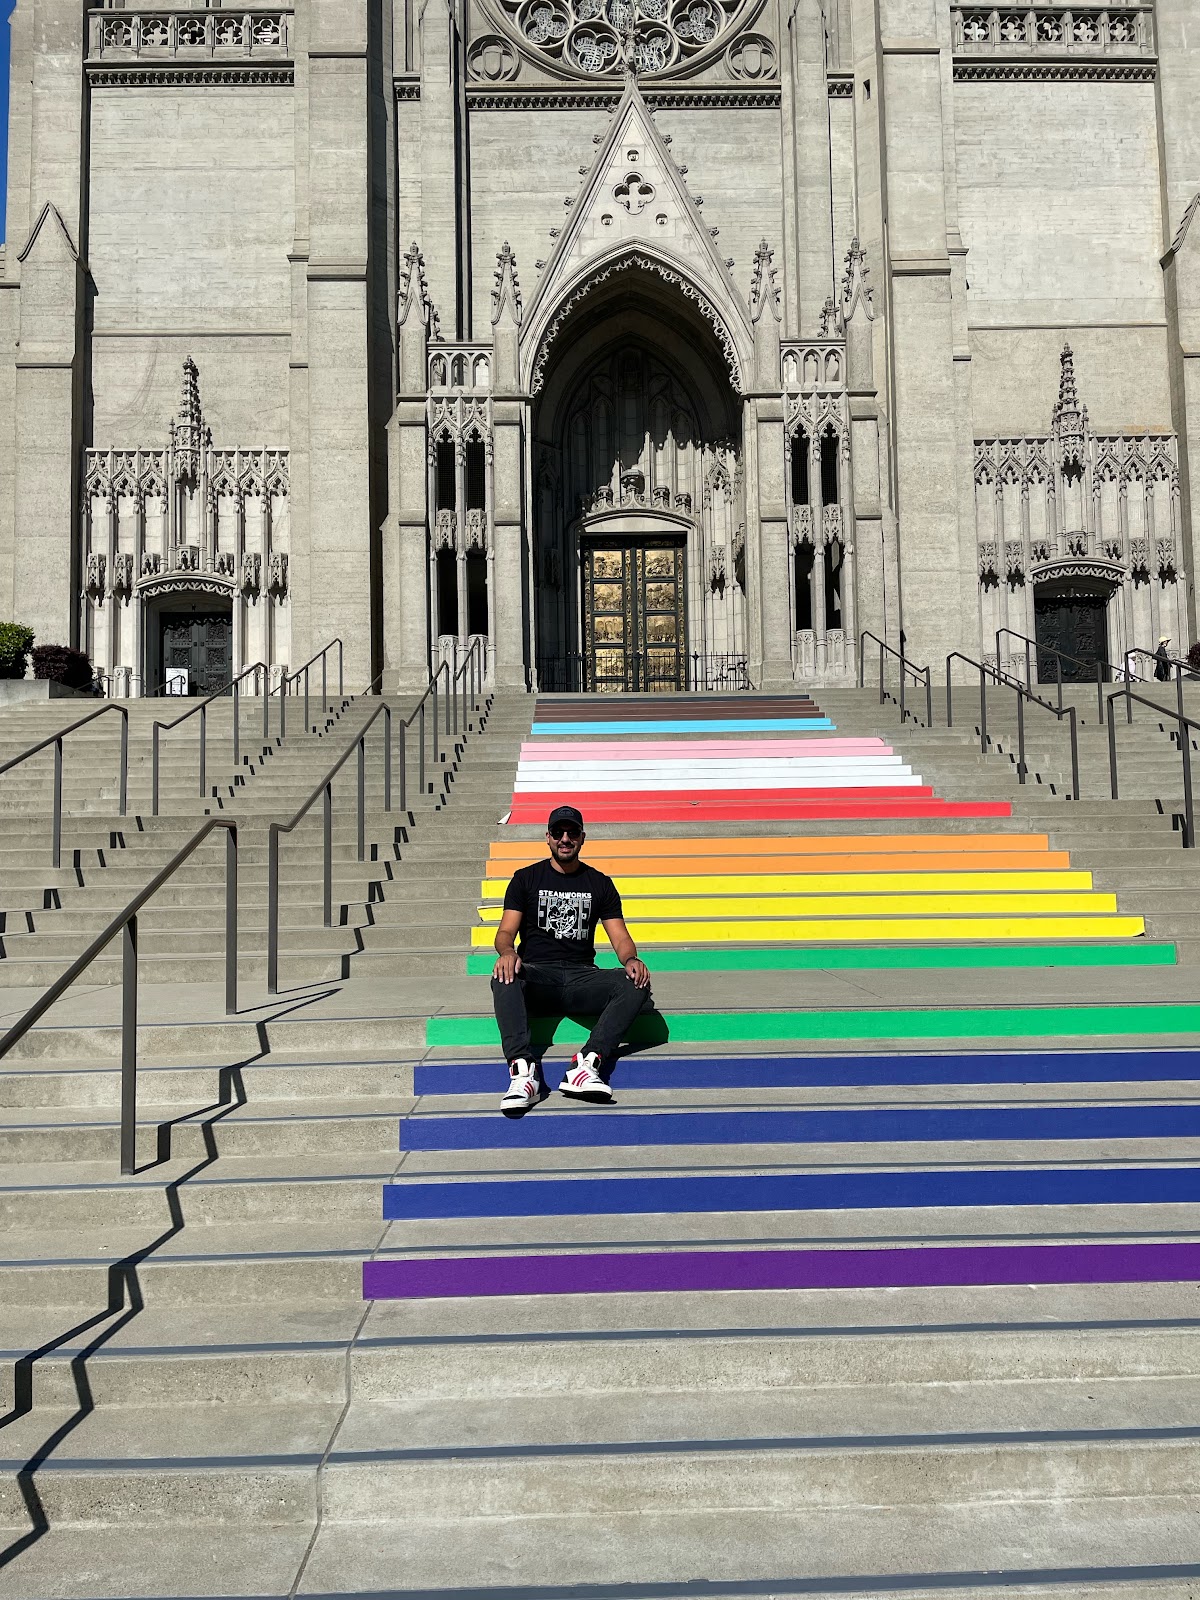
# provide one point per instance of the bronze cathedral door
(633, 616)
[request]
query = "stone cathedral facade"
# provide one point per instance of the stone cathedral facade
(653, 343)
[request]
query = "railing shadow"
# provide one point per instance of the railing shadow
(125, 1298)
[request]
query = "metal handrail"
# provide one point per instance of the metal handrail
(56, 739)
(1183, 723)
(202, 712)
(1004, 681)
(324, 789)
(919, 674)
(1060, 656)
(125, 923)
(302, 672)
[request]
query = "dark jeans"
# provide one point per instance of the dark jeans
(559, 989)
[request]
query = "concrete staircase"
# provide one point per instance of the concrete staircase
(985, 1383)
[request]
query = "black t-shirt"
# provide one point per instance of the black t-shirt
(560, 910)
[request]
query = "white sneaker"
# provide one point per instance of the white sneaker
(524, 1090)
(583, 1080)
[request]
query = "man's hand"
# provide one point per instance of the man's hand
(507, 966)
(637, 971)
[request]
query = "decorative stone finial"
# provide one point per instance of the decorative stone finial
(764, 292)
(855, 289)
(1070, 419)
(188, 433)
(506, 287)
(415, 299)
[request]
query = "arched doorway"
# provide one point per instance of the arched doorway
(639, 532)
(1072, 621)
(188, 633)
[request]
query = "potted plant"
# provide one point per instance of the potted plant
(60, 664)
(16, 640)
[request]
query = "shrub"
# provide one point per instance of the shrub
(1193, 658)
(60, 664)
(15, 642)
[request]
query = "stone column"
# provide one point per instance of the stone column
(441, 180)
(47, 441)
(340, 534)
(938, 593)
(1179, 142)
(508, 488)
(808, 254)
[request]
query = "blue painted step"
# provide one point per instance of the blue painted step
(562, 1196)
(832, 1072)
(558, 1130)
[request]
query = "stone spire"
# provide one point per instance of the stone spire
(857, 308)
(507, 313)
(1069, 423)
(416, 323)
(765, 317)
(187, 427)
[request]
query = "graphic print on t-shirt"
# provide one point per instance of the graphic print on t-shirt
(564, 913)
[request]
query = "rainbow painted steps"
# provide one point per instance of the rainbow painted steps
(741, 1072)
(912, 957)
(678, 1272)
(974, 1022)
(859, 889)
(642, 777)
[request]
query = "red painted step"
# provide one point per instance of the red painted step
(606, 808)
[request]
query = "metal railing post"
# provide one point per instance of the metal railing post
(1020, 738)
(341, 675)
(307, 720)
(362, 799)
(1189, 819)
(387, 758)
(124, 762)
(1112, 754)
(1058, 671)
(949, 696)
(231, 921)
(404, 766)
(881, 675)
(928, 699)
(129, 1016)
(421, 750)
(327, 887)
(903, 677)
(266, 700)
(983, 733)
(237, 748)
(324, 684)
(437, 755)
(273, 909)
(1074, 725)
(154, 770)
(203, 745)
(56, 847)
(1100, 691)
(283, 694)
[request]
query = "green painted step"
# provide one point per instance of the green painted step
(983, 1022)
(832, 957)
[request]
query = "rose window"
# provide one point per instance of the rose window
(595, 37)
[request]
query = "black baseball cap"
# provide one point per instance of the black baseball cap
(565, 814)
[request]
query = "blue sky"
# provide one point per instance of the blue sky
(5, 12)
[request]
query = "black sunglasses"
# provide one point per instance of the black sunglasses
(564, 830)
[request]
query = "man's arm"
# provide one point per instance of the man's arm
(621, 940)
(508, 962)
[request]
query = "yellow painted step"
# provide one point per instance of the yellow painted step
(835, 883)
(719, 908)
(867, 930)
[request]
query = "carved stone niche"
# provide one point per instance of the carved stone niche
(277, 581)
(96, 565)
(445, 527)
(716, 571)
(225, 564)
(476, 529)
(122, 577)
(251, 575)
(150, 564)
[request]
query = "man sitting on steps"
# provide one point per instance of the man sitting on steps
(555, 905)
